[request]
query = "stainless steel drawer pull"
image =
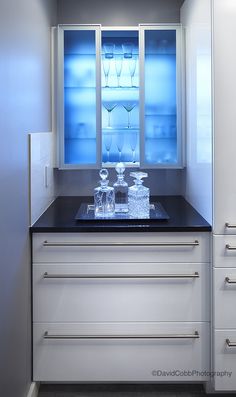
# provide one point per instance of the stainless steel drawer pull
(107, 336)
(230, 344)
(230, 226)
(230, 280)
(123, 244)
(230, 247)
(116, 276)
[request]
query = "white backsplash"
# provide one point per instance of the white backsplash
(42, 181)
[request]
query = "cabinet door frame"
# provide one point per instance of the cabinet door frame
(179, 94)
(60, 95)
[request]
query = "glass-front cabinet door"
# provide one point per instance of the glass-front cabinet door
(160, 96)
(78, 112)
(119, 96)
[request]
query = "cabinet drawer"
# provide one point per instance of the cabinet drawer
(121, 247)
(224, 253)
(121, 292)
(225, 298)
(225, 360)
(120, 352)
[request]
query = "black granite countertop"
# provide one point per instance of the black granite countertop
(60, 217)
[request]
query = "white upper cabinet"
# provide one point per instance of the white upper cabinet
(119, 96)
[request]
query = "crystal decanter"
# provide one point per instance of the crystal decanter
(138, 197)
(104, 198)
(121, 190)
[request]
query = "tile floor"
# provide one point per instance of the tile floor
(56, 390)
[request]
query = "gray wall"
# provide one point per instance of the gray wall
(24, 107)
(118, 12)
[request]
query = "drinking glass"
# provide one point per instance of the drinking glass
(109, 50)
(107, 143)
(132, 68)
(120, 143)
(106, 68)
(133, 138)
(127, 50)
(129, 107)
(118, 64)
(109, 106)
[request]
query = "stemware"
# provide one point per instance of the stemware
(109, 50)
(132, 68)
(133, 138)
(129, 107)
(107, 143)
(109, 106)
(127, 50)
(106, 68)
(120, 143)
(118, 65)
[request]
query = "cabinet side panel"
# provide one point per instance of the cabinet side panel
(196, 20)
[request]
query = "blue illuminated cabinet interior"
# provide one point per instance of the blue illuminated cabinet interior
(119, 96)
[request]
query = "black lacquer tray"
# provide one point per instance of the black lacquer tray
(86, 213)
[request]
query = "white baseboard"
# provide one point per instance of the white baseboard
(33, 390)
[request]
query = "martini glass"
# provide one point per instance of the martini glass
(129, 107)
(109, 106)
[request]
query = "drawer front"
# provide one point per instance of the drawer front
(225, 298)
(224, 251)
(225, 360)
(120, 352)
(121, 247)
(143, 292)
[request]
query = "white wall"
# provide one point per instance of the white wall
(122, 12)
(24, 107)
(196, 19)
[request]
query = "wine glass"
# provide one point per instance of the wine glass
(109, 50)
(120, 143)
(118, 65)
(129, 107)
(107, 143)
(109, 106)
(133, 138)
(132, 68)
(106, 68)
(127, 49)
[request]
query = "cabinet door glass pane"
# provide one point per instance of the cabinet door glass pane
(160, 97)
(120, 96)
(79, 97)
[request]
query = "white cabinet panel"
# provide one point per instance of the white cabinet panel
(118, 359)
(224, 16)
(224, 251)
(225, 298)
(121, 299)
(165, 247)
(225, 360)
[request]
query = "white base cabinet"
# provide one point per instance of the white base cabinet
(115, 358)
(121, 307)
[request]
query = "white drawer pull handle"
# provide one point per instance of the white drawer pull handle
(230, 226)
(230, 280)
(230, 247)
(115, 276)
(230, 344)
(123, 244)
(158, 336)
